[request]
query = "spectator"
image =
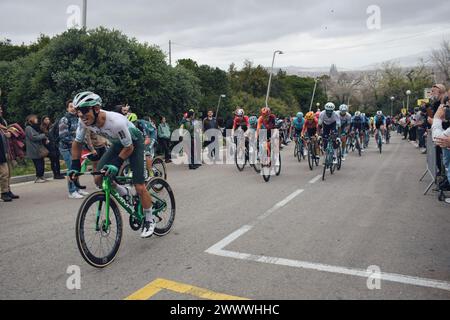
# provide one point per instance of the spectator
(5, 161)
(439, 96)
(53, 151)
(442, 136)
(164, 138)
(413, 127)
(422, 124)
(210, 123)
(188, 125)
(67, 130)
(35, 146)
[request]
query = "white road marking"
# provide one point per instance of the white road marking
(280, 204)
(315, 179)
(218, 250)
(391, 277)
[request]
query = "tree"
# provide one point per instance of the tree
(441, 60)
(119, 69)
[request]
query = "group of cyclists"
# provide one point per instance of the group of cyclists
(318, 126)
(133, 140)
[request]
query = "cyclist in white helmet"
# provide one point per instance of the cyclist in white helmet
(346, 121)
(127, 143)
(329, 121)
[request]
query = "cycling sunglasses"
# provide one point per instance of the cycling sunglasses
(83, 110)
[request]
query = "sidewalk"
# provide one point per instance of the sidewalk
(32, 177)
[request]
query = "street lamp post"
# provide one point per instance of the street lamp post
(270, 77)
(408, 93)
(392, 106)
(314, 94)
(218, 105)
(84, 22)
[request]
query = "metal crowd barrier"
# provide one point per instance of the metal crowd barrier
(432, 168)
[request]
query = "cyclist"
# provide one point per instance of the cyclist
(310, 128)
(265, 121)
(380, 124)
(388, 126)
(372, 129)
(346, 121)
(150, 137)
(298, 124)
(358, 127)
(366, 128)
(317, 114)
(240, 121)
(127, 143)
(329, 121)
(253, 122)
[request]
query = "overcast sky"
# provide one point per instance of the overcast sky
(217, 33)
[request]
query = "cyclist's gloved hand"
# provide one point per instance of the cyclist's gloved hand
(110, 170)
(75, 169)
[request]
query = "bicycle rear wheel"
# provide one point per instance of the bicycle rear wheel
(163, 203)
(240, 158)
(277, 165)
(159, 171)
(98, 244)
(300, 152)
(310, 156)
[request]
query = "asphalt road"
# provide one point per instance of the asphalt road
(295, 237)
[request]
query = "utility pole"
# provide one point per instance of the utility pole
(170, 52)
(84, 21)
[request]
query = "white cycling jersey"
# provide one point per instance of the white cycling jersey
(117, 129)
(324, 119)
(346, 120)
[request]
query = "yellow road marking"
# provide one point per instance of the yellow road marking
(160, 284)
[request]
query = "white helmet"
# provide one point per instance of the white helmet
(357, 113)
(379, 113)
(343, 108)
(330, 106)
(240, 112)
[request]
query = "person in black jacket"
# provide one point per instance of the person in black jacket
(210, 123)
(52, 146)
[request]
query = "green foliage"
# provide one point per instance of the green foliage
(119, 69)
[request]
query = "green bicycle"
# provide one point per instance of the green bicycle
(99, 221)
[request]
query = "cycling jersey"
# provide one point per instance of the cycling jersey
(346, 120)
(117, 129)
(310, 127)
(358, 122)
(267, 124)
(298, 124)
(241, 122)
(379, 121)
(325, 120)
(149, 131)
(122, 134)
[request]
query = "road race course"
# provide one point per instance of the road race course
(296, 237)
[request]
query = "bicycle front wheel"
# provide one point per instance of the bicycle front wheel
(97, 240)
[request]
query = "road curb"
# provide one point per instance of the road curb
(31, 177)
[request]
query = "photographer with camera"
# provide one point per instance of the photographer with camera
(441, 136)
